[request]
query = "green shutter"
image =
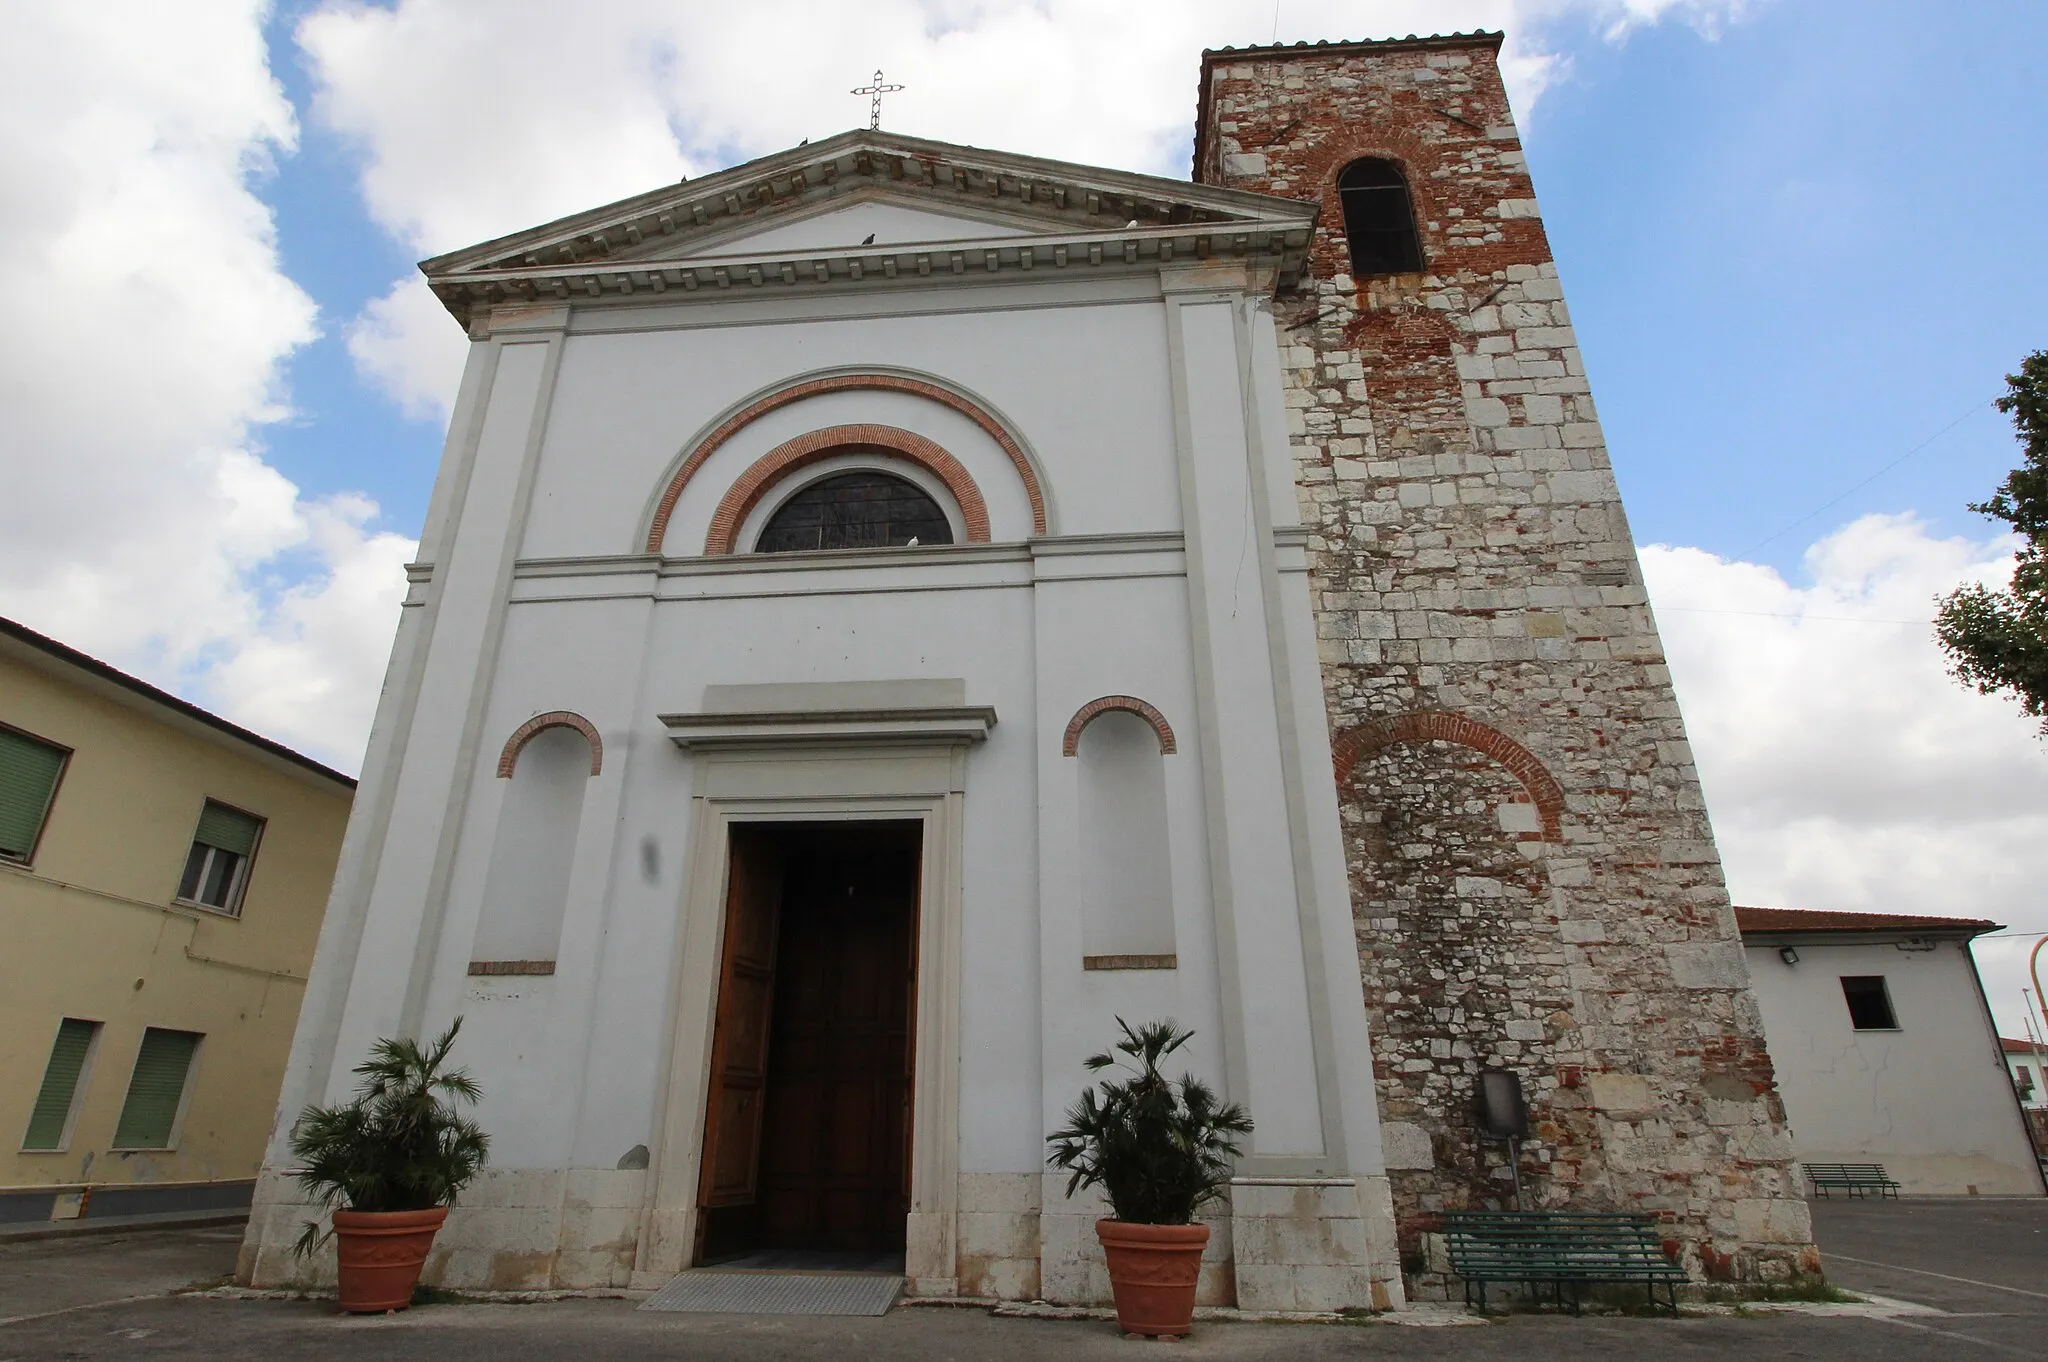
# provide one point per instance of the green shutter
(156, 1089)
(60, 1085)
(228, 829)
(28, 777)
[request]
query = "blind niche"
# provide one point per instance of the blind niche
(1127, 882)
(526, 891)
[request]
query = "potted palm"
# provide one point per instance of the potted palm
(1159, 1149)
(388, 1164)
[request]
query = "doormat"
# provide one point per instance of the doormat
(708, 1291)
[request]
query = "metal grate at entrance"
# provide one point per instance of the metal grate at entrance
(709, 1291)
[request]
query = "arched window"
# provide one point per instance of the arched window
(859, 510)
(1379, 219)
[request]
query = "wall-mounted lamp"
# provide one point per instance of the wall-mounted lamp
(1788, 955)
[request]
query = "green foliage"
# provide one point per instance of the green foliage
(1158, 1149)
(1997, 641)
(399, 1144)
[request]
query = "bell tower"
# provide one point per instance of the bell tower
(1534, 883)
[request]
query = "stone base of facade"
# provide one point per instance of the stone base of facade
(1274, 1244)
(1314, 1244)
(515, 1230)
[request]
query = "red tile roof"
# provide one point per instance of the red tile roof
(2019, 1047)
(1804, 920)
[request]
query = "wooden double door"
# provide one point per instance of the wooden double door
(807, 1130)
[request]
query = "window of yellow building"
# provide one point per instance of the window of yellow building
(49, 1123)
(217, 869)
(29, 771)
(156, 1090)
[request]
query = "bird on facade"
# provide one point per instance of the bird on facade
(868, 240)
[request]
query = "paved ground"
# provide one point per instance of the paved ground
(1986, 1261)
(1982, 1260)
(39, 1275)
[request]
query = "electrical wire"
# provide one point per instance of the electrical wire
(1975, 407)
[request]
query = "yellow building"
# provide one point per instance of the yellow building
(162, 878)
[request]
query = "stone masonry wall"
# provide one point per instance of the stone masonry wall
(1533, 878)
(1438, 875)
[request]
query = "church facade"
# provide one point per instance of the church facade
(890, 609)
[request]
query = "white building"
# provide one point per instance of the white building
(1078, 716)
(1885, 1049)
(2027, 1061)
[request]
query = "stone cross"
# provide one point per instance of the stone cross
(877, 89)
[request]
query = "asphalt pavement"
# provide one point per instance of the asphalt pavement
(1980, 1261)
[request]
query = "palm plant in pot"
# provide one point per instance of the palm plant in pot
(1159, 1149)
(388, 1164)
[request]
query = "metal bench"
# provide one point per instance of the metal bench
(1856, 1179)
(1560, 1248)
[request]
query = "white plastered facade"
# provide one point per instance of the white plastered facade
(1930, 1099)
(1137, 384)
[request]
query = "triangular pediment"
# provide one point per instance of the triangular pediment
(797, 213)
(878, 215)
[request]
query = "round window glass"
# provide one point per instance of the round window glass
(861, 510)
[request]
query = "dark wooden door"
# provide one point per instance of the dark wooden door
(834, 1159)
(728, 1188)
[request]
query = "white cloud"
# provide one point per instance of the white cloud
(320, 647)
(407, 344)
(1843, 767)
(466, 136)
(148, 318)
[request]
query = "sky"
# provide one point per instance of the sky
(1800, 241)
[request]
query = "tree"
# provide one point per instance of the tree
(1997, 641)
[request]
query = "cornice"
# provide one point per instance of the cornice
(1276, 258)
(1088, 215)
(804, 730)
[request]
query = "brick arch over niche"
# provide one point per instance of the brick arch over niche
(558, 718)
(817, 445)
(1130, 704)
(755, 410)
(1428, 725)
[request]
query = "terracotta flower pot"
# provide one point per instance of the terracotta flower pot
(381, 1254)
(1152, 1270)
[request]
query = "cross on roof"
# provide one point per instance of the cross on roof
(877, 89)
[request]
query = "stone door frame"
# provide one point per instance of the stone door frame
(924, 784)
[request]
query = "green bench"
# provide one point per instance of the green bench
(1559, 1248)
(1857, 1179)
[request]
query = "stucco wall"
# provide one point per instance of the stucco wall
(1147, 408)
(92, 934)
(1931, 1101)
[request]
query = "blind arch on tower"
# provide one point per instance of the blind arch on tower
(1379, 218)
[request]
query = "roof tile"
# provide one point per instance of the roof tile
(1806, 920)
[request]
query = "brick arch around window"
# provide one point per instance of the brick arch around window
(508, 760)
(748, 490)
(1130, 704)
(1326, 162)
(1354, 745)
(711, 441)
